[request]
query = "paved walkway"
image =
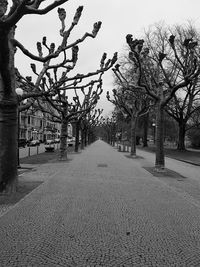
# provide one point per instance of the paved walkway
(104, 209)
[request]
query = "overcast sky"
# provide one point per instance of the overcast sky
(119, 18)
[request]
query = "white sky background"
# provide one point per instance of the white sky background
(119, 18)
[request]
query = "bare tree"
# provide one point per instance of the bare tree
(182, 109)
(64, 110)
(163, 69)
(8, 97)
(132, 101)
(185, 102)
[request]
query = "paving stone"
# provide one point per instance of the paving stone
(113, 216)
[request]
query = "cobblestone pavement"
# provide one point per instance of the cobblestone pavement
(104, 209)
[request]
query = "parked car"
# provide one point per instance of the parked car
(34, 143)
(22, 142)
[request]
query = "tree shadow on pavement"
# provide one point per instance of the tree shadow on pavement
(23, 188)
(165, 173)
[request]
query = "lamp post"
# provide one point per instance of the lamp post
(19, 93)
(154, 132)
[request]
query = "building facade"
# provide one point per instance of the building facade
(35, 125)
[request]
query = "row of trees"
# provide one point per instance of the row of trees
(160, 75)
(53, 87)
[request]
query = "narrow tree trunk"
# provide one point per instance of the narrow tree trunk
(82, 139)
(89, 137)
(160, 158)
(85, 137)
(77, 136)
(133, 135)
(181, 136)
(63, 140)
(145, 130)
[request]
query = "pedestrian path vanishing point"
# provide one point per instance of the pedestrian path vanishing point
(101, 209)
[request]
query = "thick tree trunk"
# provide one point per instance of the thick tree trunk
(63, 140)
(181, 136)
(8, 114)
(133, 135)
(8, 145)
(77, 136)
(160, 158)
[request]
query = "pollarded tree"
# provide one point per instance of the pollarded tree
(85, 105)
(162, 70)
(108, 125)
(64, 110)
(61, 83)
(89, 122)
(8, 97)
(131, 101)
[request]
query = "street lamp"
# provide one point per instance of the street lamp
(19, 93)
(154, 132)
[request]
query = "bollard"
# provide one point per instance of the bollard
(29, 151)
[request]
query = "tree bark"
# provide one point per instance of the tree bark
(160, 158)
(181, 136)
(85, 137)
(8, 145)
(145, 130)
(8, 114)
(63, 140)
(82, 139)
(77, 136)
(134, 120)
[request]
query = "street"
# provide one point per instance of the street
(102, 208)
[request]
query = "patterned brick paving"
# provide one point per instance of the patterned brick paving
(102, 209)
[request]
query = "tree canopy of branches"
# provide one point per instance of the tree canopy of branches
(184, 103)
(132, 101)
(163, 65)
(8, 98)
(42, 86)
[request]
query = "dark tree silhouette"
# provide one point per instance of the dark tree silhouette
(132, 101)
(156, 62)
(8, 98)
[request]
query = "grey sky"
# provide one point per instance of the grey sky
(119, 17)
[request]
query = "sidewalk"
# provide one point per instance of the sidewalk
(104, 209)
(190, 155)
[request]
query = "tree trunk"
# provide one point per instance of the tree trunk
(85, 137)
(145, 130)
(160, 158)
(181, 136)
(133, 135)
(63, 140)
(8, 145)
(77, 136)
(82, 139)
(8, 114)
